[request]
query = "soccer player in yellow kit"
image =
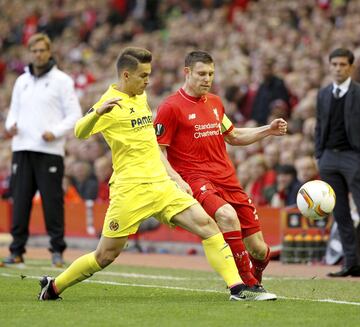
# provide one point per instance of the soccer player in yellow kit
(140, 186)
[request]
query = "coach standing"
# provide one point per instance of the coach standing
(44, 107)
(338, 150)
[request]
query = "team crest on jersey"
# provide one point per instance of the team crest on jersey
(192, 116)
(114, 225)
(216, 114)
(159, 129)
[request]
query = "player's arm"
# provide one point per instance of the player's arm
(11, 128)
(84, 127)
(172, 173)
(246, 136)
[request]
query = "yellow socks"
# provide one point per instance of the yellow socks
(82, 268)
(220, 257)
(217, 251)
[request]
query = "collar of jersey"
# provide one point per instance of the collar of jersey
(122, 94)
(191, 98)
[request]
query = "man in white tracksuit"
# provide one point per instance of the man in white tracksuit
(44, 107)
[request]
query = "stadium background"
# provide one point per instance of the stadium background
(242, 36)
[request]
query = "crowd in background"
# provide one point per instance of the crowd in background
(271, 57)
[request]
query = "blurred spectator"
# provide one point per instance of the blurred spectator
(242, 173)
(271, 156)
(283, 193)
(272, 88)
(84, 180)
(306, 169)
(71, 195)
(82, 77)
(89, 32)
(259, 179)
(243, 98)
(103, 170)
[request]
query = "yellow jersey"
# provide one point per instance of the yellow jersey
(130, 133)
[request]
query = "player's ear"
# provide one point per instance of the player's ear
(187, 70)
(125, 74)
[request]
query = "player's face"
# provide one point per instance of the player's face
(199, 78)
(138, 80)
(40, 54)
(340, 69)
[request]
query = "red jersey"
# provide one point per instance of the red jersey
(193, 130)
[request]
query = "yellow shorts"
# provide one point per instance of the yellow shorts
(132, 203)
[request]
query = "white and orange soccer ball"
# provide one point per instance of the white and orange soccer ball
(316, 200)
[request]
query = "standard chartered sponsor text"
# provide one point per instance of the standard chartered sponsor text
(207, 126)
(212, 130)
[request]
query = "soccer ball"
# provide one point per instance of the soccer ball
(316, 199)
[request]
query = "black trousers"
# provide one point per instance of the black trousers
(32, 171)
(342, 171)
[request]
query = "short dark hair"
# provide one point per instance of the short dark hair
(341, 52)
(131, 57)
(197, 56)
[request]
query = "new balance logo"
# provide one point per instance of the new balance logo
(203, 189)
(192, 116)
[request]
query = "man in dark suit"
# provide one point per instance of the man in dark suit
(337, 148)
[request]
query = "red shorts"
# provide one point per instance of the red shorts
(213, 197)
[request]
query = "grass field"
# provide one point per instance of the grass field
(133, 296)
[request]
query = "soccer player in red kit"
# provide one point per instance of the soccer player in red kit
(192, 129)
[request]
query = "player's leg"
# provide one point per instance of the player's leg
(106, 252)
(195, 220)
(82, 268)
(229, 225)
(213, 200)
(118, 224)
(218, 253)
(259, 251)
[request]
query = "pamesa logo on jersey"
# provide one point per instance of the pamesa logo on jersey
(141, 122)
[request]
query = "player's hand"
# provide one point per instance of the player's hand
(48, 136)
(184, 186)
(108, 105)
(278, 127)
(12, 131)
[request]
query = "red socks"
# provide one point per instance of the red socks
(241, 257)
(258, 266)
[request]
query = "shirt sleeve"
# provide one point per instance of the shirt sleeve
(71, 108)
(165, 124)
(91, 123)
(14, 107)
(226, 125)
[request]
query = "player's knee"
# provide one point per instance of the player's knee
(205, 221)
(205, 227)
(227, 219)
(106, 257)
(258, 250)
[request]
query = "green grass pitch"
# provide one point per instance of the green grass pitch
(133, 296)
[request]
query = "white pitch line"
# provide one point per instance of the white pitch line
(146, 276)
(126, 275)
(104, 282)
